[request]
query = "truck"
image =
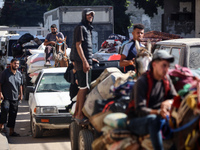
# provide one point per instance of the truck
(68, 17)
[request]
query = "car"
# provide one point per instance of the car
(48, 98)
(186, 51)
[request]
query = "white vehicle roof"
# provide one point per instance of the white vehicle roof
(184, 41)
(55, 70)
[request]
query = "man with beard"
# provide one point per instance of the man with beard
(129, 53)
(81, 55)
(50, 41)
(10, 93)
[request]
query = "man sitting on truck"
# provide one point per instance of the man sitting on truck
(129, 52)
(50, 41)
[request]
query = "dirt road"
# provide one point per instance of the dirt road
(52, 140)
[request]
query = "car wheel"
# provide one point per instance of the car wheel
(74, 133)
(85, 139)
(35, 129)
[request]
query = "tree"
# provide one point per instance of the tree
(150, 6)
(121, 19)
(22, 13)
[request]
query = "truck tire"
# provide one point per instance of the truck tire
(74, 133)
(85, 139)
(35, 129)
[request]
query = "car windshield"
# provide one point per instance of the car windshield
(194, 61)
(53, 82)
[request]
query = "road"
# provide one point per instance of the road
(52, 140)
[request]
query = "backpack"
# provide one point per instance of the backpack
(69, 75)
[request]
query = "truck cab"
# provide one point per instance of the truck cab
(186, 51)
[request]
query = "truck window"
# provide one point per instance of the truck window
(194, 61)
(176, 53)
(165, 48)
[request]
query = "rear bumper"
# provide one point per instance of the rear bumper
(53, 121)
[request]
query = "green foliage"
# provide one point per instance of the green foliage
(22, 13)
(150, 6)
(121, 20)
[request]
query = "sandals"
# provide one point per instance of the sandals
(3, 130)
(47, 64)
(14, 134)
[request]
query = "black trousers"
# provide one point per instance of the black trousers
(9, 109)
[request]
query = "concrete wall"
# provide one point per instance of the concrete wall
(179, 17)
(197, 19)
(138, 16)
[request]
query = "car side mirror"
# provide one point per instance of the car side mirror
(30, 89)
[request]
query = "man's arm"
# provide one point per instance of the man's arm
(86, 66)
(46, 42)
(20, 93)
(123, 62)
(1, 95)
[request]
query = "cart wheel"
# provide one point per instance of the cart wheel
(85, 139)
(74, 133)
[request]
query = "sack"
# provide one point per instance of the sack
(27, 37)
(69, 75)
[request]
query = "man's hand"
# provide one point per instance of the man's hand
(20, 97)
(165, 108)
(1, 96)
(86, 66)
(95, 60)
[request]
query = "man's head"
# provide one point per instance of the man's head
(161, 63)
(138, 32)
(14, 64)
(87, 16)
(53, 28)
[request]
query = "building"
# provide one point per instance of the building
(182, 17)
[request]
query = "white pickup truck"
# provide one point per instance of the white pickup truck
(47, 100)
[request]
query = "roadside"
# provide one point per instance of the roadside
(53, 139)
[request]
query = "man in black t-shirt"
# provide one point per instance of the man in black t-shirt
(153, 96)
(81, 55)
(10, 93)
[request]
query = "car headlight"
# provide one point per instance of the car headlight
(40, 110)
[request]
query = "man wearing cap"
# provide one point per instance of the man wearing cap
(50, 41)
(153, 95)
(81, 55)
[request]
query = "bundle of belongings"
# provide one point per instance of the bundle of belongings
(110, 47)
(25, 41)
(183, 124)
(35, 62)
(107, 103)
(105, 107)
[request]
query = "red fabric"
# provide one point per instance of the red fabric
(115, 57)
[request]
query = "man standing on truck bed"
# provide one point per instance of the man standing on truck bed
(50, 41)
(10, 92)
(81, 54)
(129, 52)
